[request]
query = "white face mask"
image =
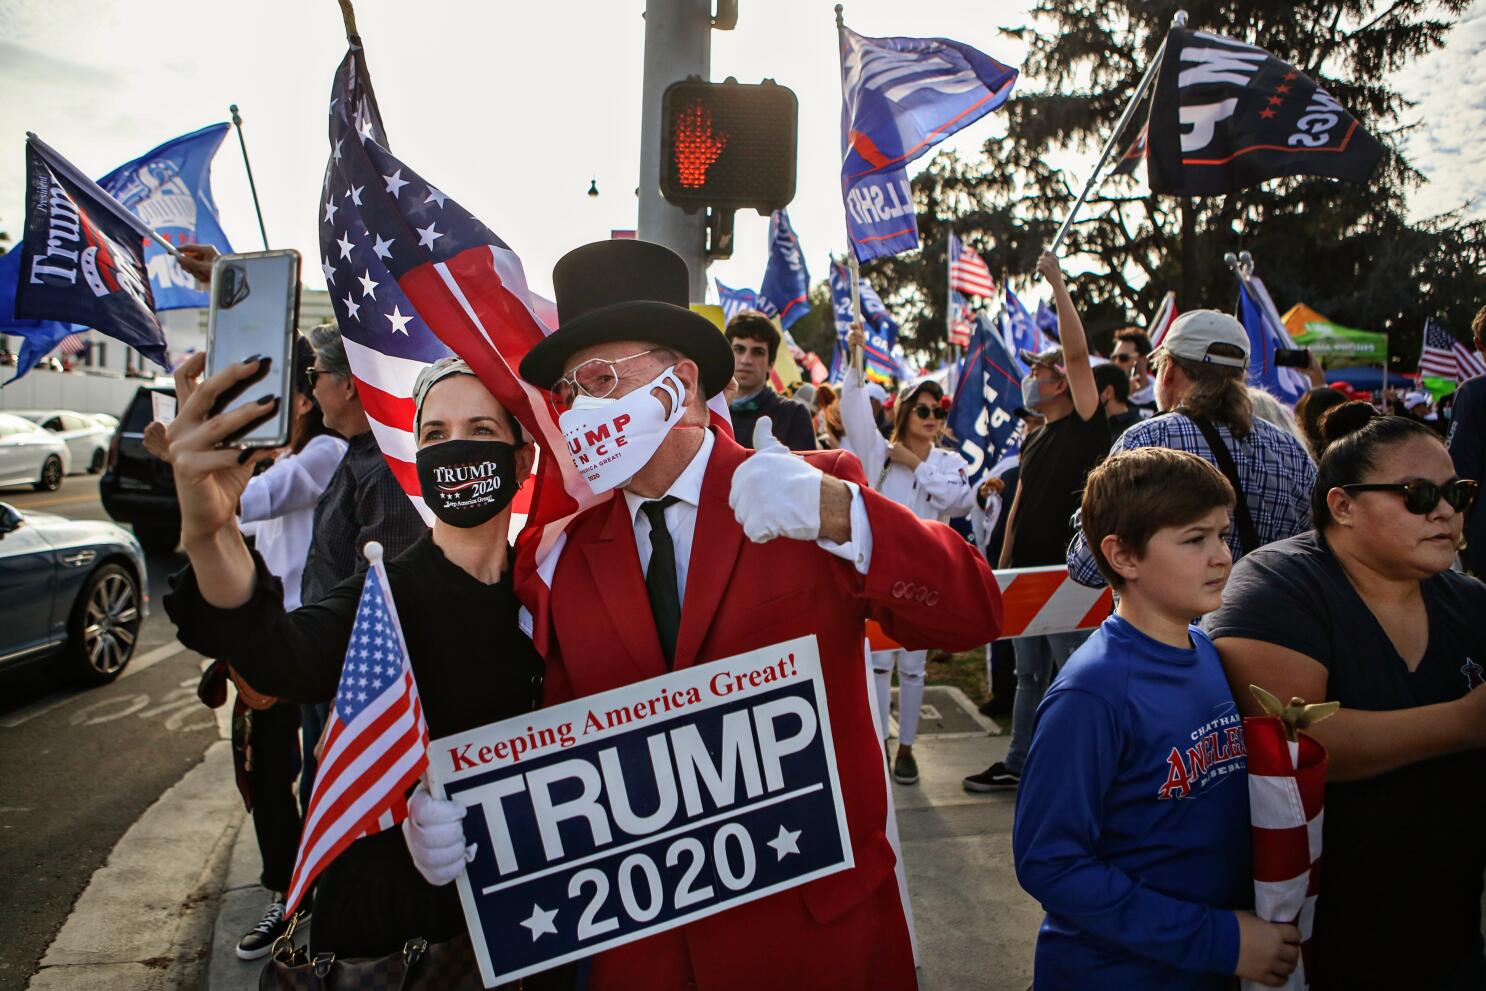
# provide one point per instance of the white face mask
(610, 440)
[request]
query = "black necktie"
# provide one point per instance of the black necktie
(660, 578)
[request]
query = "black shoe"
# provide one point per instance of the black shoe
(994, 778)
(260, 939)
(905, 769)
(993, 707)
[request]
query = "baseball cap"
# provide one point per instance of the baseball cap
(1413, 399)
(877, 392)
(1052, 358)
(1193, 333)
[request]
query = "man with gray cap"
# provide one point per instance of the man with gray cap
(1200, 371)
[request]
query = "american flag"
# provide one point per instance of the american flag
(1445, 357)
(961, 320)
(1161, 322)
(968, 272)
(450, 279)
(380, 224)
(376, 742)
(73, 344)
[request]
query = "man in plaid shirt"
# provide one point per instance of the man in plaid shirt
(1200, 370)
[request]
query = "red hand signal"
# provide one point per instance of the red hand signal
(697, 147)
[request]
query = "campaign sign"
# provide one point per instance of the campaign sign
(621, 815)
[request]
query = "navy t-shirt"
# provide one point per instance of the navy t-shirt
(1132, 818)
(1403, 852)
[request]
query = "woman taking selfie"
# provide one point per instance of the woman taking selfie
(912, 470)
(1366, 611)
(372, 898)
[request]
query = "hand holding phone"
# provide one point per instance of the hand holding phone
(255, 314)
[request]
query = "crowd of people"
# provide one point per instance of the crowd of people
(1319, 553)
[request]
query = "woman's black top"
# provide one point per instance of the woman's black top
(472, 666)
(1403, 852)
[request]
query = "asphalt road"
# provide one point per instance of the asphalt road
(79, 767)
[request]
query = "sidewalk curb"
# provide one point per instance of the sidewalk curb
(145, 917)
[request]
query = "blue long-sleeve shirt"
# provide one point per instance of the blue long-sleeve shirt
(1132, 817)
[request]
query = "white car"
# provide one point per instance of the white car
(30, 455)
(86, 438)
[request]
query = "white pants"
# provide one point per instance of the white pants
(910, 664)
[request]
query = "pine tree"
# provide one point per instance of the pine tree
(1349, 251)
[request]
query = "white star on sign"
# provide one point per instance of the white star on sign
(434, 196)
(368, 286)
(354, 194)
(346, 246)
(351, 308)
(540, 922)
(329, 271)
(383, 248)
(785, 842)
(427, 235)
(395, 182)
(399, 326)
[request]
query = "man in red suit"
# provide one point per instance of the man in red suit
(707, 550)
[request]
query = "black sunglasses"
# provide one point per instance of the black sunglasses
(1421, 495)
(312, 373)
(1123, 358)
(923, 411)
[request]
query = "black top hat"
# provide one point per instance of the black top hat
(627, 290)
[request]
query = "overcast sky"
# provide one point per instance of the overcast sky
(511, 108)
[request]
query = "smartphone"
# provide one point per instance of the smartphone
(255, 311)
(1292, 357)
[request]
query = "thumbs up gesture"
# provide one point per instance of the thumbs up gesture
(776, 493)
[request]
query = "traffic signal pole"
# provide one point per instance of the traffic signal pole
(678, 43)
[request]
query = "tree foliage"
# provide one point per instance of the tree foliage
(1349, 251)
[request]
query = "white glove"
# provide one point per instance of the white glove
(776, 493)
(434, 833)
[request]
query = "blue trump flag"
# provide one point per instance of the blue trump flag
(881, 329)
(842, 313)
(735, 301)
(899, 98)
(1047, 320)
(38, 337)
(786, 280)
(1266, 333)
(1022, 333)
(170, 189)
(989, 391)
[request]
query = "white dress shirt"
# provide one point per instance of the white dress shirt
(278, 508)
(681, 520)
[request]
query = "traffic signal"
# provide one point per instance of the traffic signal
(728, 145)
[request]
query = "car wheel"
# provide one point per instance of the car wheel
(96, 465)
(158, 539)
(51, 475)
(104, 627)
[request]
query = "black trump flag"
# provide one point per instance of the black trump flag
(1227, 115)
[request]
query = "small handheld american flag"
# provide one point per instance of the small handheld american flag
(376, 742)
(1444, 357)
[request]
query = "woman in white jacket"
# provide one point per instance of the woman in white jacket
(912, 470)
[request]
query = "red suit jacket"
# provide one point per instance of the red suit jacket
(925, 585)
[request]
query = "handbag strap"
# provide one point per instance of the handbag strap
(1248, 536)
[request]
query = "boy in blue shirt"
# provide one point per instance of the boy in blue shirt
(1132, 819)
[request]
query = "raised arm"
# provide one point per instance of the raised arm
(1075, 344)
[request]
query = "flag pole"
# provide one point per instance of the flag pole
(237, 122)
(1180, 20)
(857, 357)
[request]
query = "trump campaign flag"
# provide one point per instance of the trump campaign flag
(879, 364)
(735, 301)
(1227, 115)
(82, 261)
(170, 189)
(983, 416)
(38, 337)
(1022, 332)
(376, 742)
(899, 98)
(1266, 333)
(1047, 320)
(786, 282)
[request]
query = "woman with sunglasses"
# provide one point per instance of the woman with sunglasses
(911, 469)
(1366, 611)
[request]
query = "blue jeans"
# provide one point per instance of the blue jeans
(1038, 659)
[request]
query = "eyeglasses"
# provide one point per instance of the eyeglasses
(313, 374)
(1421, 495)
(1123, 359)
(596, 377)
(923, 411)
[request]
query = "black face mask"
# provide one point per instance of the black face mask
(467, 482)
